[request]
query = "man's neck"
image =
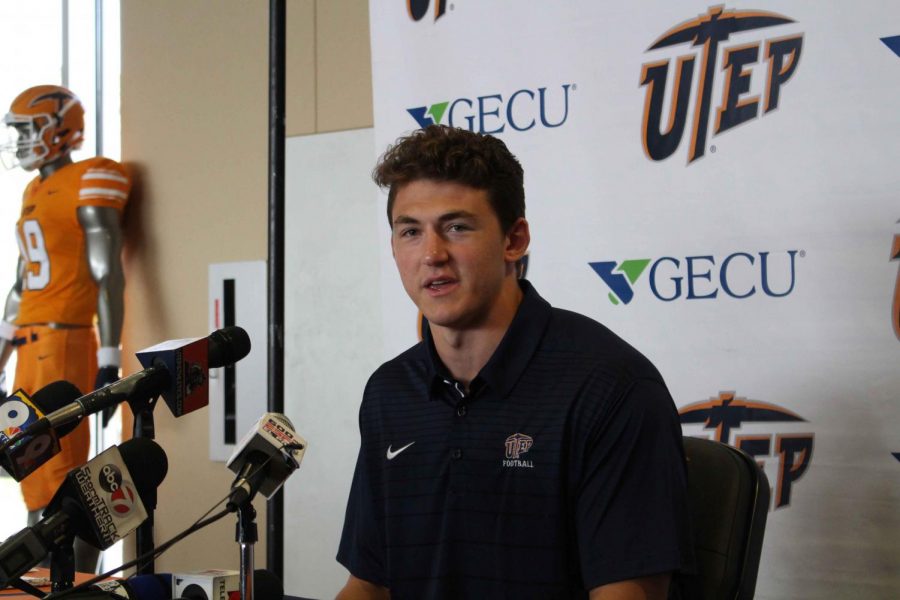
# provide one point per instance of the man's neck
(465, 351)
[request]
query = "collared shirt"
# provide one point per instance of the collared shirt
(562, 469)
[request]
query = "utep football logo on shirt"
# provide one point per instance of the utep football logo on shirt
(708, 31)
(516, 445)
(728, 412)
(738, 275)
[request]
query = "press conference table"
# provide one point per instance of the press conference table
(39, 572)
(79, 577)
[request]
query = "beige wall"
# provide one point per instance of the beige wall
(195, 127)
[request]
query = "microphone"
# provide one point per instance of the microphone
(176, 369)
(100, 502)
(156, 586)
(222, 585)
(22, 453)
(267, 585)
(264, 458)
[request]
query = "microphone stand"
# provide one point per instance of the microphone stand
(142, 408)
(246, 535)
(62, 566)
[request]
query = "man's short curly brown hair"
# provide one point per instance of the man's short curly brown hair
(442, 153)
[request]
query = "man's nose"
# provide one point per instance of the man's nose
(435, 249)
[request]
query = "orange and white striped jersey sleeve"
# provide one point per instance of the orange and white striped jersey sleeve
(104, 182)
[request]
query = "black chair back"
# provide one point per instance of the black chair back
(729, 499)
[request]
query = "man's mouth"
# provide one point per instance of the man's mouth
(438, 284)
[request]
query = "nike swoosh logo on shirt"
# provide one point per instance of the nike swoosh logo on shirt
(392, 454)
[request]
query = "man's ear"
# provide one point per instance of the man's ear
(517, 240)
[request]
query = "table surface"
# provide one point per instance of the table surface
(39, 572)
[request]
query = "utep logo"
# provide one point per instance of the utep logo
(702, 277)
(516, 445)
(895, 309)
(728, 412)
(417, 9)
(708, 31)
(522, 110)
(892, 42)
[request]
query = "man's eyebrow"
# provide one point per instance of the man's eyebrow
(457, 214)
(450, 216)
(404, 219)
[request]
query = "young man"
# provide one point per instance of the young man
(519, 450)
(69, 271)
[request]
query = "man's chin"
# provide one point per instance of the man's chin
(441, 318)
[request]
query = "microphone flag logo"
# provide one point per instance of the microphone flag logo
(16, 413)
(107, 492)
(123, 499)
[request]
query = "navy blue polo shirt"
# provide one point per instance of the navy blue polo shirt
(560, 470)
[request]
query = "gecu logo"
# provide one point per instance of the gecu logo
(727, 412)
(708, 31)
(522, 110)
(701, 277)
(417, 9)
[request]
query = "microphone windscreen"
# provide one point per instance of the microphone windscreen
(267, 585)
(157, 586)
(227, 346)
(147, 463)
(54, 396)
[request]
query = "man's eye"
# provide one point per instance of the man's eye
(456, 227)
(409, 232)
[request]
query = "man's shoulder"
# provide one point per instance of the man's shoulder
(575, 333)
(411, 364)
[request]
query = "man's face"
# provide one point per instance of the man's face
(452, 256)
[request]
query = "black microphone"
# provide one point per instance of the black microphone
(155, 586)
(216, 585)
(178, 370)
(23, 453)
(264, 458)
(100, 502)
(267, 585)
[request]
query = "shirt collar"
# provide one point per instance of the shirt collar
(515, 350)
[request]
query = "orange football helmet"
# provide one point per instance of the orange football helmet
(46, 122)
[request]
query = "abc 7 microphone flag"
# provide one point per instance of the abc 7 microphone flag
(105, 486)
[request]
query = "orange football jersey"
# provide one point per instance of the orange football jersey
(57, 285)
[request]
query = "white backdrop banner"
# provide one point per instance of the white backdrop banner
(718, 185)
